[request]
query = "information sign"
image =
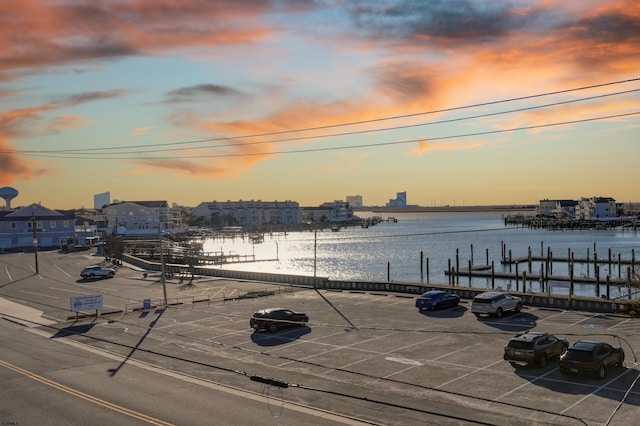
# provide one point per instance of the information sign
(86, 303)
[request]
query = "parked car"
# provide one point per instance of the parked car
(97, 271)
(436, 299)
(273, 319)
(533, 347)
(495, 303)
(590, 357)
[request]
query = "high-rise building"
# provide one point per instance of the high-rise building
(354, 201)
(101, 200)
(399, 202)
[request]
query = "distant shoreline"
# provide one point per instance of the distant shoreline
(418, 209)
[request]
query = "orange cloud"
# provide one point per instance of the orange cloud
(108, 31)
(425, 146)
(139, 131)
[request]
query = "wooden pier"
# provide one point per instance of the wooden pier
(521, 272)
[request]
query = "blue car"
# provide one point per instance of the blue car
(436, 299)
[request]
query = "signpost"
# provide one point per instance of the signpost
(86, 303)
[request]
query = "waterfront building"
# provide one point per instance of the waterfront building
(139, 218)
(248, 214)
(596, 208)
(557, 208)
(333, 211)
(49, 228)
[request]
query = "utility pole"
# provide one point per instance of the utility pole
(162, 278)
(35, 237)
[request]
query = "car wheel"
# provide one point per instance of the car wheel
(272, 328)
(456, 303)
(601, 372)
(620, 361)
(91, 276)
(518, 308)
(499, 313)
(542, 361)
(111, 274)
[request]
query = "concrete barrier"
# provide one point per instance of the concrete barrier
(591, 304)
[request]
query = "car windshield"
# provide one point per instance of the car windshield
(577, 355)
(478, 300)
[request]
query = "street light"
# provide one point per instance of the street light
(35, 237)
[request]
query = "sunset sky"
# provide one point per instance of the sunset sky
(459, 102)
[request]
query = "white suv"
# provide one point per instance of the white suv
(495, 303)
(97, 271)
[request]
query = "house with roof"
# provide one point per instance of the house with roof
(24, 227)
(557, 208)
(138, 218)
(596, 208)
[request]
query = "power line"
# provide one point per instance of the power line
(302, 138)
(366, 145)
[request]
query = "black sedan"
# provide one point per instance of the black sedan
(273, 319)
(590, 357)
(436, 299)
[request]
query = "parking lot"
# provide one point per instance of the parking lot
(373, 344)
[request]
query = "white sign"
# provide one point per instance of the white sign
(86, 303)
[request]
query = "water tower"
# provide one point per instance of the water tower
(8, 194)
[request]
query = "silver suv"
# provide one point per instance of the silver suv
(97, 271)
(495, 303)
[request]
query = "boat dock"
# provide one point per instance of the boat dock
(536, 272)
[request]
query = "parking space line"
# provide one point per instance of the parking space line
(8, 274)
(62, 270)
(468, 374)
(598, 389)
(39, 294)
(529, 382)
(451, 353)
(382, 354)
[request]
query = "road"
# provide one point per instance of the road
(364, 358)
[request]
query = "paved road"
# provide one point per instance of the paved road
(369, 356)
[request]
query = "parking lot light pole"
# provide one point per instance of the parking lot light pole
(35, 237)
(162, 267)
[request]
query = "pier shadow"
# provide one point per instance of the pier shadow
(279, 338)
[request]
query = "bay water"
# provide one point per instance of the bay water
(420, 246)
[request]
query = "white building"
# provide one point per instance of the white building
(596, 208)
(333, 211)
(248, 213)
(557, 208)
(138, 217)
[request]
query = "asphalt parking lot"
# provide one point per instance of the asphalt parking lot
(373, 343)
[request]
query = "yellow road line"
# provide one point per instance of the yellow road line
(85, 396)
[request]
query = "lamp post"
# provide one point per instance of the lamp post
(35, 237)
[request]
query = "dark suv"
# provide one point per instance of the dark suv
(273, 319)
(590, 357)
(532, 347)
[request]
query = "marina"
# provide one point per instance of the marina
(431, 248)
